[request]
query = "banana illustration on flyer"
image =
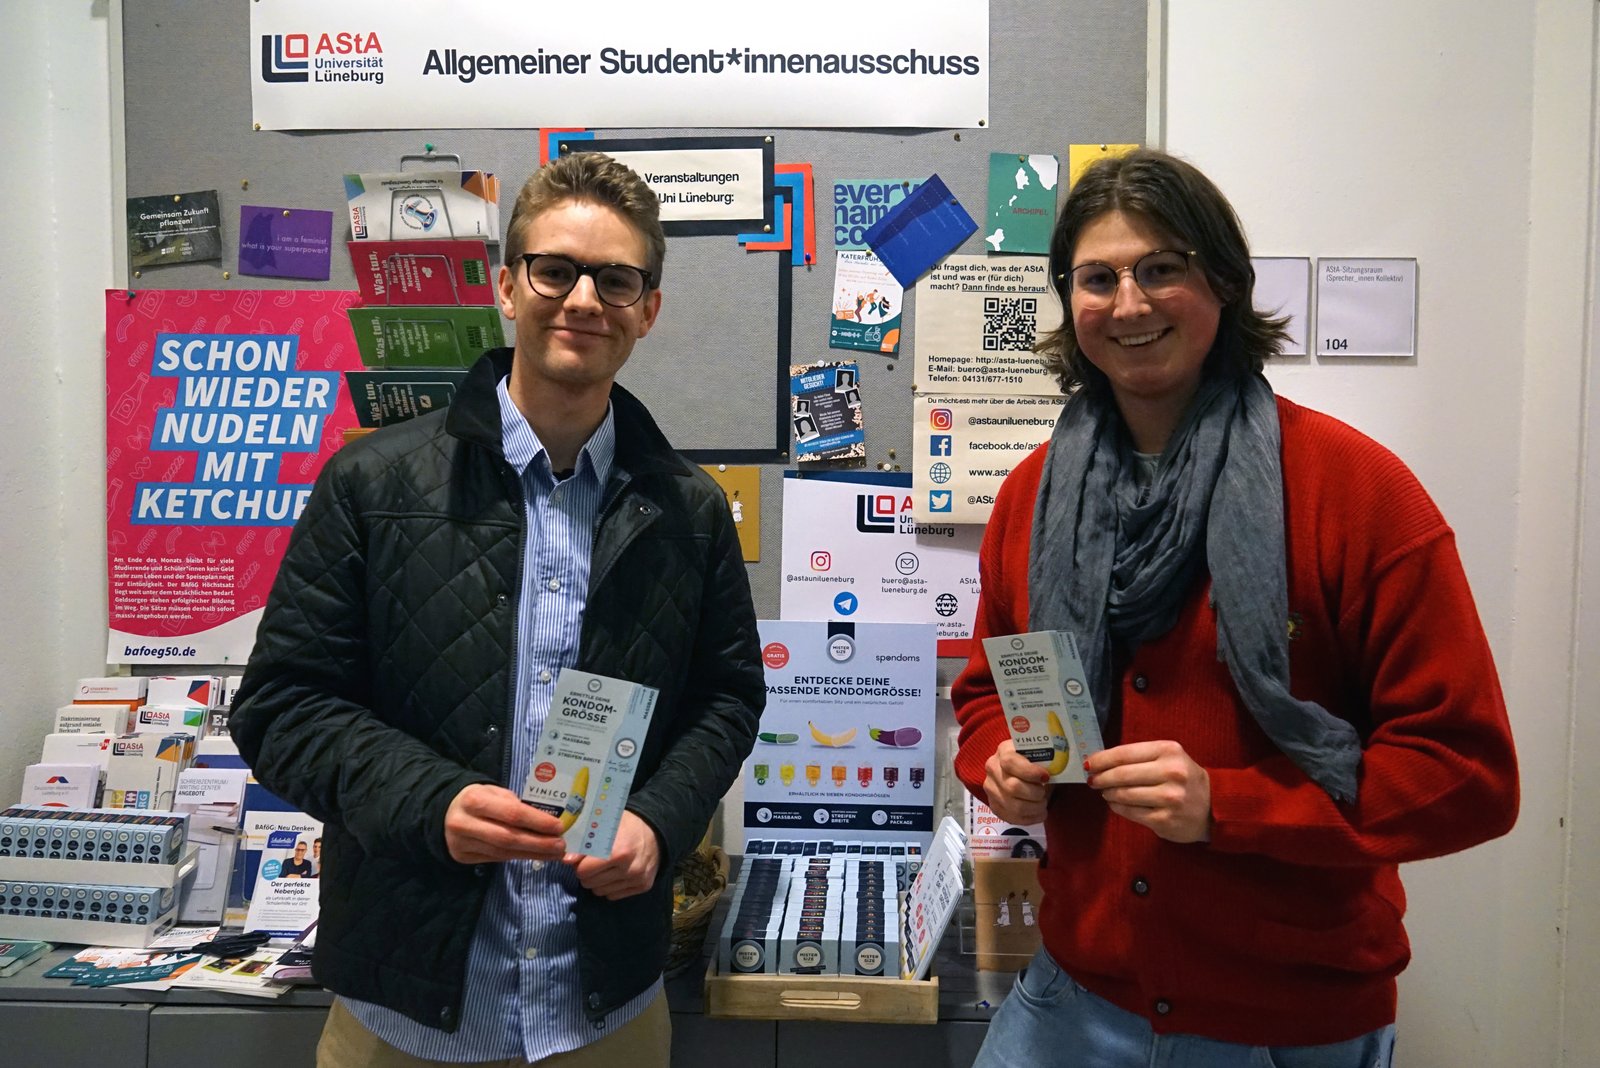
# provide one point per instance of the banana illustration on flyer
(587, 756)
(1046, 701)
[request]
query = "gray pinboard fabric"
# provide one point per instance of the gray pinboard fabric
(1062, 74)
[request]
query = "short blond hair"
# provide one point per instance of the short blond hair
(595, 178)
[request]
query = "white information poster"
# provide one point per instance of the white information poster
(963, 447)
(846, 743)
(1283, 287)
(501, 64)
(977, 320)
(702, 184)
(853, 550)
(1366, 307)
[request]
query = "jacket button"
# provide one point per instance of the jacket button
(1141, 887)
(1141, 683)
(493, 731)
(501, 600)
(481, 870)
(447, 1017)
(644, 509)
(594, 1001)
(1163, 1006)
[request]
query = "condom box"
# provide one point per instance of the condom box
(809, 942)
(1045, 698)
(587, 754)
(748, 944)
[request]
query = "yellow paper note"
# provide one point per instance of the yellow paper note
(1080, 156)
(742, 487)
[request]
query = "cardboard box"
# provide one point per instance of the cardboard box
(1006, 896)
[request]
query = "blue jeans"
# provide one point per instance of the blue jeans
(1051, 1020)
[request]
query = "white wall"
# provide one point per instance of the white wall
(1462, 138)
(56, 184)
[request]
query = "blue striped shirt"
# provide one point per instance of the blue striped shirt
(523, 997)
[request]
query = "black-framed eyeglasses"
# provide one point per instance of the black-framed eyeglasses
(1158, 273)
(618, 284)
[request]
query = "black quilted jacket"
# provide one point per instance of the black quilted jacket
(380, 685)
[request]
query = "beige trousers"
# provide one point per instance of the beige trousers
(643, 1042)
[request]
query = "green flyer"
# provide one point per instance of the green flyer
(425, 337)
(1022, 202)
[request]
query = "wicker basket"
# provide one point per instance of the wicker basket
(697, 884)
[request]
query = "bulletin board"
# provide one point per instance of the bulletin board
(1060, 74)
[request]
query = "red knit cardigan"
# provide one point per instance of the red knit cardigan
(1285, 929)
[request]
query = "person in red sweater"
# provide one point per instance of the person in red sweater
(1292, 680)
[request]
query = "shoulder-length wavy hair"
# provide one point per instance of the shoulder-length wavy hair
(1176, 198)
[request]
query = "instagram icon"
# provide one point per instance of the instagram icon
(821, 560)
(941, 418)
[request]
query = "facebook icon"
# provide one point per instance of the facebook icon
(939, 444)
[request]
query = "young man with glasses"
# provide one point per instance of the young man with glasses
(443, 574)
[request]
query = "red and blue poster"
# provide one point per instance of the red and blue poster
(221, 408)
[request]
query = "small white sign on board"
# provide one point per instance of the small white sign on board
(1366, 307)
(1283, 288)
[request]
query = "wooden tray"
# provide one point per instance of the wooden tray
(852, 999)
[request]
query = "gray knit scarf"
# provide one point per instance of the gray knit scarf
(1112, 562)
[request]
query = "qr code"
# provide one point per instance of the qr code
(1009, 323)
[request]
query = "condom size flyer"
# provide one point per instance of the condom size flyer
(846, 747)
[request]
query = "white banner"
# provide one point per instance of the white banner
(977, 320)
(966, 446)
(510, 64)
(851, 550)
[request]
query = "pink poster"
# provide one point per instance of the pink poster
(221, 407)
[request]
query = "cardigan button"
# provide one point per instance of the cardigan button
(1141, 887)
(1141, 683)
(1163, 1006)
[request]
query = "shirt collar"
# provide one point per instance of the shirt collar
(523, 447)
